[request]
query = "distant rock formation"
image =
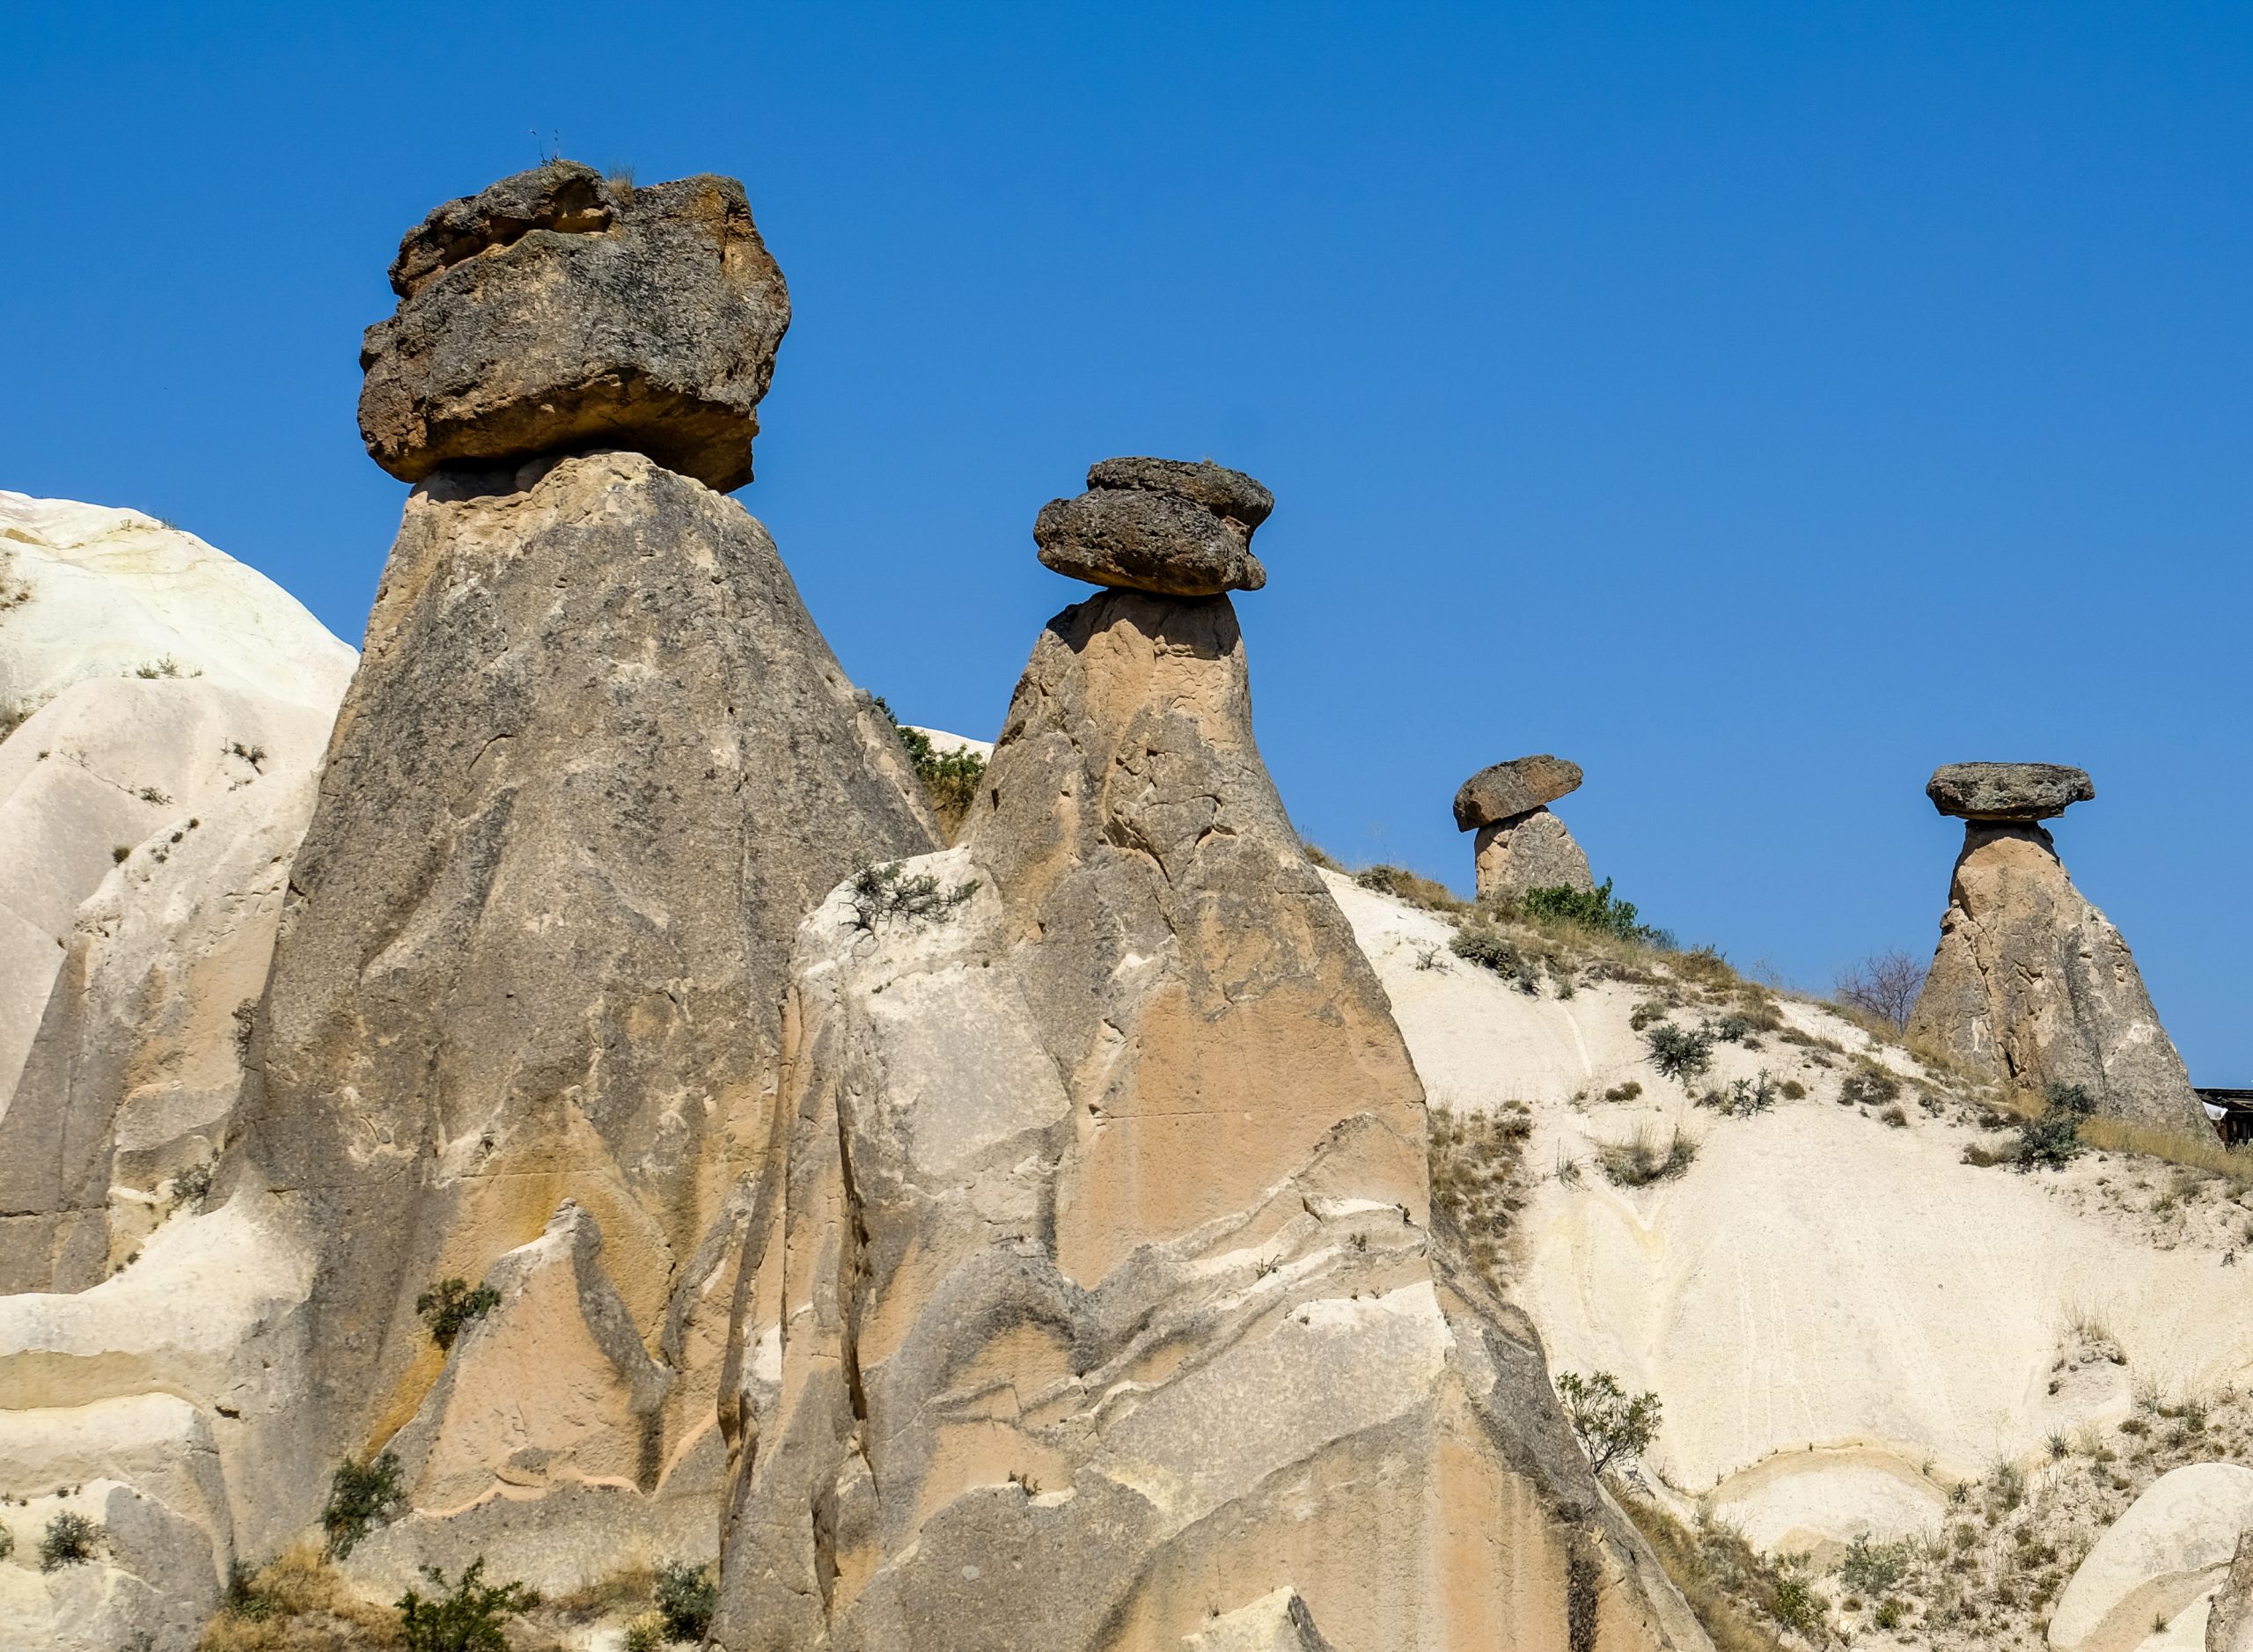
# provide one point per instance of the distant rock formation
(1093, 1302)
(1160, 525)
(596, 766)
(2031, 983)
(558, 311)
(1520, 845)
(174, 704)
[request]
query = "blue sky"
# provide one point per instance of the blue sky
(1758, 405)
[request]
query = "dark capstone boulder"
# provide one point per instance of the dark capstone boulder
(1159, 525)
(1515, 788)
(2007, 791)
(558, 312)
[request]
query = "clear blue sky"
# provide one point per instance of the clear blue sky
(1758, 405)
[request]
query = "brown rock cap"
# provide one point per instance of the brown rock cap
(1513, 787)
(558, 311)
(2007, 791)
(1158, 525)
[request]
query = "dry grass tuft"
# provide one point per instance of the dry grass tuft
(298, 1604)
(1476, 1166)
(1643, 1158)
(1412, 888)
(1702, 1571)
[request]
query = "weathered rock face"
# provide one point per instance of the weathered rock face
(2007, 791)
(2230, 1622)
(2033, 984)
(1094, 1302)
(1503, 791)
(596, 764)
(557, 311)
(1159, 525)
(1529, 851)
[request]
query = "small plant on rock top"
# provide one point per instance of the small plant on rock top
(887, 892)
(1613, 1428)
(361, 1496)
(465, 1619)
(450, 1305)
(687, 1595)
(69, 1539)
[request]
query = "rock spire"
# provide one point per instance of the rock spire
(2031, 982)
(1094, 1302)
(1520, 845)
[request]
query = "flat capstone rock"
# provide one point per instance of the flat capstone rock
(1170, 528)
(1515, 788)
(2007, 791)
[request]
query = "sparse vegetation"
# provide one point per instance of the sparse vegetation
(69, 1539)
(1597, 910)
(467, 1618)
(450, 1305)
(1615, 1429)
(166, 667)
(361, 1496)
(193, 1185)
(1411, 888)
(687, 1595)
(1874, 1568)
(1477, 1165)
(1728, 1585)
(1884, 987)
(1677, 1053)
(1642, 1158)
(1627, 1091)
(887, 892)
(950, 779)
(1867, 1085)
(1743, 1096)
(297, 1603)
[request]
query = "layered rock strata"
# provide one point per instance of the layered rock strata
(1094, 1301)
(1158, 525)
(2030, 983)
(1520, 845)
(558, 309)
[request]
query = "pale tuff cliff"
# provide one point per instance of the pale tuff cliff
(1093, 1300)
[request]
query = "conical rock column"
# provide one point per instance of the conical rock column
(1093, 1302)
(2031, 982)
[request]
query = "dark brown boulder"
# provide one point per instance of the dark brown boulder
(1518, 786)
(2007, 791)
(1160, 525)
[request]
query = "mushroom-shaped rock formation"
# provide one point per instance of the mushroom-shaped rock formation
(1520, 845)
(1159, 525)
(1096, 1301)
(559, 309)
(596, 766)
(2032, 984)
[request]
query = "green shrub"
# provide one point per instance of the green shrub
(1647, 1011)
(1642, 1158)
(467, 1618)
(1594, 909)
(950, 779)
(1679, 1054)
(70, 1539)
(1743, 1096)
(450, 1305)
(1793, 1600)
(1613, 1427)
(2054, 1139)
(687, 1595)
(887, 892)
(361, 1495)
(1892, 1613)
(1874, 1568)
(645, 1633)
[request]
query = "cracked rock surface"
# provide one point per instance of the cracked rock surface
(1160, 525)
(1093, 1301)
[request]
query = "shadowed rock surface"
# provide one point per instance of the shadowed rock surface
(557, 309)
(1502, 791)
(1160, 525)
(596, 764)
(1095, 1303)
(2034, 986)
(1529, 851)
(2007, 791)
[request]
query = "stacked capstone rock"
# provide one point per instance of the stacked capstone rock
(2031, 983)
(1158, 525)
(1520, 845)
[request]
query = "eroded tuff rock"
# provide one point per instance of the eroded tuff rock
(1094, 1302)
(2031, 982)
(1520, 845)
(1502, 791)
(2007, 791)
(2230, 1622)
(1158, 525)
(596, 764)
(559, 310)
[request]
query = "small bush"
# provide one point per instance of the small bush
(1613, 1427)
(1896, 1116)
(1647, 1011)
(950, 779)
(1794, 1600)
(1892, 1613)
(1743, 1096)
(1642, 1159)
(466, 1619)
(1679, 1054)
(119, 854)
(1410, 888)
(193, 1185)
(687, 1595)
(69, 1539)
(1792, 1090)
(2054, 1139)
(1874, 1568)
(361, 1496)
(1868, 1086)
(450, 1305)
(7, 1542)
(1594, 909)
(1627, 1091)
(886, 891)
(645, 1633)
(1320, 857)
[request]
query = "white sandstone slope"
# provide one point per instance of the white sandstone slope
(175, 705)
(1842, 1317)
